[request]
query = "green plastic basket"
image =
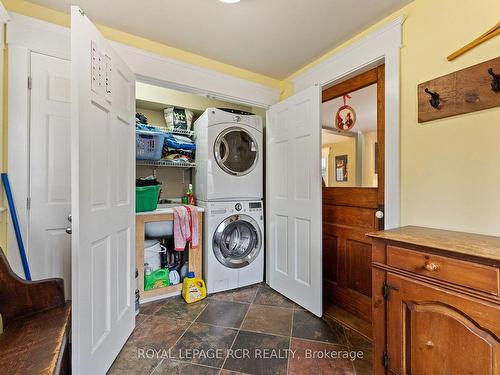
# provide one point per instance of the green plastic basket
(146, 198)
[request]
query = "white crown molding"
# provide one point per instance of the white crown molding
(44, 37)
(156, 69)
(4, 15)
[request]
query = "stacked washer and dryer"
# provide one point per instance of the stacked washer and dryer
(228, 183)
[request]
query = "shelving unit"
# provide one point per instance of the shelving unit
(165, 163)
(195, 255)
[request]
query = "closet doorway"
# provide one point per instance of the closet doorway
(353, 193)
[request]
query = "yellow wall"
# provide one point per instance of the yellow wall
(449, 168)
(369, 177)
(450, 175)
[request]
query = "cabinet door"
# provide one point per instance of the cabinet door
(434, 331)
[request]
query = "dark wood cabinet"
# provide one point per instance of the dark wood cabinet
(436, 305)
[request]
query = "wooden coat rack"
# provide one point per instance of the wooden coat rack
(468, 90)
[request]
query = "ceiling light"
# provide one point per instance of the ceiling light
(230, 1)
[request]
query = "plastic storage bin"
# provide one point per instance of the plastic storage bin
(158, 229)
(146, 198)
(148, 145)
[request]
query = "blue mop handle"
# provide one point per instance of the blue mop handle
(15, 222)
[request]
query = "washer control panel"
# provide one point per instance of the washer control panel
(255, 206)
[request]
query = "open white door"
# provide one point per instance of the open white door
(293, 187)
(103, 198)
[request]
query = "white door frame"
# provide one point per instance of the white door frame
(27, 34)
(381, 46)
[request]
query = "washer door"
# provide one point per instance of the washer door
(237, 241)
(236, 151)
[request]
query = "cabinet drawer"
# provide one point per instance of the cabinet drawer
(471, 275)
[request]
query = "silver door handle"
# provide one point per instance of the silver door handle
(69, 230)
(379, 214)
(70, 218)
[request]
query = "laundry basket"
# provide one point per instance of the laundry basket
(146, 198)
(148, 145)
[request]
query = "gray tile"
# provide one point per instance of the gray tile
(267, 296)
(158, 332)
(224, 314)
(209, 342)
(151, 307)
(260, 348)
(243, 295)
(130, 362)
(309, 326)
(177, 308)
(175, 367)
(268, 319)
(305, 361)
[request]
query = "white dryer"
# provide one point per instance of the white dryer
(233, 244)
(229, 156)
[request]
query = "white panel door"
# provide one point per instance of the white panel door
(293, 188)
(49, 246)
(103, 196)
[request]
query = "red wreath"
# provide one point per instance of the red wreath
(350, 119)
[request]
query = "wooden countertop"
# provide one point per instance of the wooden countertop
(165, 210)
(476, 245)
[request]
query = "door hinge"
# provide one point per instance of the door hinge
(28, 203)
(30, 82)
(386, 360)
(386, 290)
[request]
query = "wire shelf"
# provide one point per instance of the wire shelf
(188, 133)
(165, 163)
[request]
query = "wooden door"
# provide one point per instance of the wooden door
(103, 198)
(432, 331)
(349, 213)
(293, 206)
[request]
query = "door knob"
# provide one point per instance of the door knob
(70, 218)
(69, 230)
(379, 214)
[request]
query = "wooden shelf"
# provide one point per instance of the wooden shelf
(194, 256)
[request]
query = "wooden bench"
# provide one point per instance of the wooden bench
(36, 324)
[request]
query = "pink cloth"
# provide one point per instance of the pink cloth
(185, 227)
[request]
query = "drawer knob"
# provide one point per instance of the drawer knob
(431, 267)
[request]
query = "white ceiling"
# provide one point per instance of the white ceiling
(271, 37)
(364, 103)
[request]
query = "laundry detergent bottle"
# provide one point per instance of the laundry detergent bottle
(193, 288)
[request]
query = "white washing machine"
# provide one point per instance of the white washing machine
(229, 156)
(233, 244)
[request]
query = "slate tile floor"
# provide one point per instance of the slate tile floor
(220, 335)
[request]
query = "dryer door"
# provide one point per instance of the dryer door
(237, 241)
(236, 151)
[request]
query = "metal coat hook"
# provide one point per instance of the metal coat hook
(495, 82)
(435, 101)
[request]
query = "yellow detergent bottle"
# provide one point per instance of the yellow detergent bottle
(193, 288)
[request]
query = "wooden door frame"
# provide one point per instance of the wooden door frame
(360, 81)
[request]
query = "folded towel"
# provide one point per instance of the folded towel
(177, 143)
(185, 227)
